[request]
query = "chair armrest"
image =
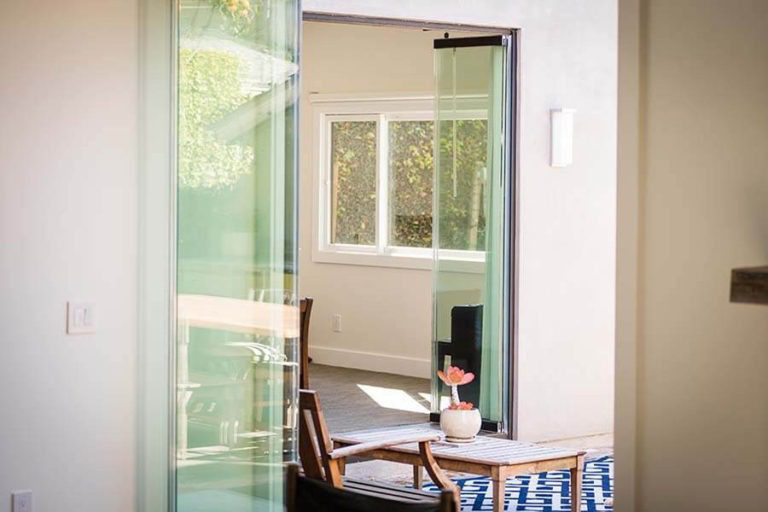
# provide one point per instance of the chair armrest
(355, 449)
(425, 454)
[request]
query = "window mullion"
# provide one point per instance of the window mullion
(382, 188)
(326, 191)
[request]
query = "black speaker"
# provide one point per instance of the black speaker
(465, 347)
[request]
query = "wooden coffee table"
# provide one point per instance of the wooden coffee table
(494, 457)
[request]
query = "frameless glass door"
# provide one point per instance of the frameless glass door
(472, 231)
(237, 314)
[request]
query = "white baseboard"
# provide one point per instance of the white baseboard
(371, 361)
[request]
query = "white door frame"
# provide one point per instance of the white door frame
(509, 415)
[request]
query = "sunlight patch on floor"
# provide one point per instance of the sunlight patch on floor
(445, 401)
(390, 398)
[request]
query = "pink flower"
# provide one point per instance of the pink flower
(462, 406)
(454, 376)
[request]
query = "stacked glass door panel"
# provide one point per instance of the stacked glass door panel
(471, 226)
(237, 310)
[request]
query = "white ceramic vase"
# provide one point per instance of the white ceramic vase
(460, 426)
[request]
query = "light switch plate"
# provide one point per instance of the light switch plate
(80, 318)
(21, 501)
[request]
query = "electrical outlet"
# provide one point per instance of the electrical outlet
(336, 323)
(21, 501)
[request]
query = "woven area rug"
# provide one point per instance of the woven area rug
(546, 492)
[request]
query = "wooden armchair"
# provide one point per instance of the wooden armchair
(305, 310)
(321, 462)
(307, 494)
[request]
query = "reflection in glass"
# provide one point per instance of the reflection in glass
(237, 316)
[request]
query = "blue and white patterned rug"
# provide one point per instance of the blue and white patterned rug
(546, 492)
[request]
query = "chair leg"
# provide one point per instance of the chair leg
(418, 477)
(435, 473)
(333, 476)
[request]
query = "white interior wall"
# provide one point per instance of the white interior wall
(68, 231)
(702, 416)
(567, 216)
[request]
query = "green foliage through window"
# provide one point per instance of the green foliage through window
(411, 167)
(353, 171)
(411, 170)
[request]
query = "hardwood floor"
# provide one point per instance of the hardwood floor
(357, 399)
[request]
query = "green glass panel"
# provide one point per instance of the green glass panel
(469, 208)
(237, 317)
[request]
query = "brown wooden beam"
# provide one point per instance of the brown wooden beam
(750, 285)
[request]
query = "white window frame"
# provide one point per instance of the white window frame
(328, 108)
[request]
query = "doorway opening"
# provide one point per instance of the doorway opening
(390, 309)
